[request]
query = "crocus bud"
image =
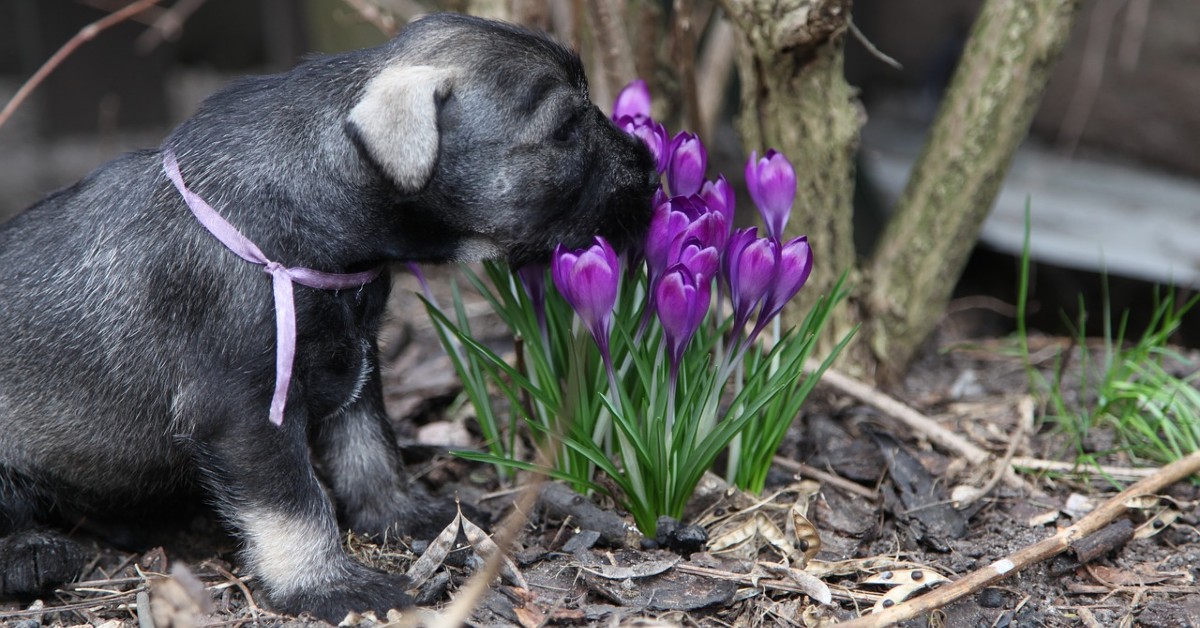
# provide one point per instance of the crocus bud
(533, 278)
(653, 134)
(588, 279)
(719, 197)
(669, 220)
(678, 301)
(686, 165)
(756, 269)
(795, 265)
(633, 101)
(772, 185)
(709, 228)
(702, 260)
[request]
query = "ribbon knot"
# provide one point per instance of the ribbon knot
(281, 281)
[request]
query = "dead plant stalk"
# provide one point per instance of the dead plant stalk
(1042, 550)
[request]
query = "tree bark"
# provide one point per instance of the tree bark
(983, 118)
(795, 99)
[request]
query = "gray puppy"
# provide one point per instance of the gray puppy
(139, 353)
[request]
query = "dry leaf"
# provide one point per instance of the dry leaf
(923, 577)
(808, 542)
(485, 547)
(639, 570)
(437, 551)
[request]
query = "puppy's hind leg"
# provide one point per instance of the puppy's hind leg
(357, 451)
(266, 488)
(32, 561)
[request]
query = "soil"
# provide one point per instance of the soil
(896, 522)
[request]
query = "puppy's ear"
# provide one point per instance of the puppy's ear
(396, 121)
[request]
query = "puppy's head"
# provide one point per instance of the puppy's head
(487, 133)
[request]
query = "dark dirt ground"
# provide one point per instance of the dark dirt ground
(966, 381)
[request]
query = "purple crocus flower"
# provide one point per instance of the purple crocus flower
(653, 134)
(719, 197)
(681, 302)
(533, 278)
(795, 265)
(752, 270)
(588, 279)
(772, 185)
(633, 101)
(709, 228)
(702, 260)
(686, 165)
(670, 218)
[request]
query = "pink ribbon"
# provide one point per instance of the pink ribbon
(281, 281)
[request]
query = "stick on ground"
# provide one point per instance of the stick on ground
(1046, 548)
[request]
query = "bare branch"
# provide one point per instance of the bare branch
(85, 34)
(1042, 550)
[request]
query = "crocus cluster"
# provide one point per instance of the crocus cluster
(686, 380)
(691, 244)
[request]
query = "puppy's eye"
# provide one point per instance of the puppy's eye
(567, 132)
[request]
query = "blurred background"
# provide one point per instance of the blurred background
(1112, 161)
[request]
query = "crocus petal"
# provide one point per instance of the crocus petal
(560, 268)
(667, 222)
(701, 260)
(771, 182)
(634, 100)
(594, 283)
(589, 280)
(758, 267)
(719, 197)
(709, 229)
(740, 239)
(676, 300)
(685, 168)
(653, 134)
(795, 265)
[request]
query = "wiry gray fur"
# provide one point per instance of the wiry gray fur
(137, 361)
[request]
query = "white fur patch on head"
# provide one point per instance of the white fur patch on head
(396, 121)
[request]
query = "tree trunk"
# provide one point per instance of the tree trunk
(795, 99)
(983, 118)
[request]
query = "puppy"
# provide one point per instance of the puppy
(143, 359)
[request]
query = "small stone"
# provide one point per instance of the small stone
(992, 597)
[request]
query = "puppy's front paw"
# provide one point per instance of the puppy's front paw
(33, 562)
(364, 590)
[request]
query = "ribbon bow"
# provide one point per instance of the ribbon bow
(281, 281)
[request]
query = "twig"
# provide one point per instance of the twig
(1091, 75)
(613, 42)
(1024, 425)
(875, 52)
(714, 70)
(87, 33)
(1130, 47)
(371, 13)
(683, 36)
(827, 478)
(168, 24)
(255, 611)
(1046, 548)
(1058, 466)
